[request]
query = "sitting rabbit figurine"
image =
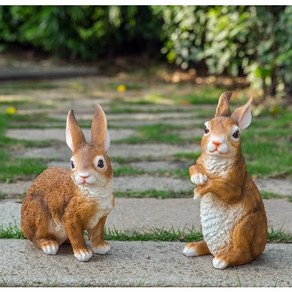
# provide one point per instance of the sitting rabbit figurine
(62, 203)
(233, 217)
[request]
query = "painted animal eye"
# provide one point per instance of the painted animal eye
(206, 130)
(236, 134)
(72, 164)
(100, 163)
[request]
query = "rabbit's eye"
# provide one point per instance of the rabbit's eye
(100, 163)
(206, 130)
(72, 164)
(236, 134)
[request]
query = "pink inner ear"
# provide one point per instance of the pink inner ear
(242, 115)
(107, 142)
(99, 134)
(222, 109)
(245, 121)
(74, 135)
(69, 139)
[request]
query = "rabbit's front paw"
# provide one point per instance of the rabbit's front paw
(101, 248)
(50, 247)
(190, 250)
(198, 179)
(219, 263)
(83, 254)
(197, 195)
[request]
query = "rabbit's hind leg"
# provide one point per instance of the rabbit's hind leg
(241, 251)
(196, 249)
(96, 234)
(233, 257)
(49, 246)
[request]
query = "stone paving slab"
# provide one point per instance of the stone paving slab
(139, 264)
(62, 152)
(141, 214)
(83, 113)
(191, 124)
(146, 182)
(59, 134)
(24, 72)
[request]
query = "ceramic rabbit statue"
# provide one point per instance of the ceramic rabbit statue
(233, 217)
(62, 203)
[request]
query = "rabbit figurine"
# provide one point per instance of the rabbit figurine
(62, 203)
(233, 217)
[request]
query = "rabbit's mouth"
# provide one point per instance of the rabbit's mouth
(217, 152)
(85, 181)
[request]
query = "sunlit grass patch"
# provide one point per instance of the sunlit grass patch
(200, 95)
(10, 87)
(13, 168)
(127, 170)
(153, 193)
(154, 234)
(270, 195)
(34, 121)
(13, 231)
(187, 156)
(267, 158)
(279, 235)
(156, 133)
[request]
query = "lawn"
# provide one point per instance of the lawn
(266, 143)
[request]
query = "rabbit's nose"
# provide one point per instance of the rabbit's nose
(216, 143)
(84, 175)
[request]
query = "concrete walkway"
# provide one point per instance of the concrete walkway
(131, 263)
(141, 214)
(139, 264)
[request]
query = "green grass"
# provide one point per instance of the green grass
(266, 145)
(156, 133)
(200, 95)
(187, 156)
(154, 234)
(124, 107)
(34, 121)
(153, 193)
(20, 86)
(127, 170)
(279, 235)
(16, 168)
(270, 195)
(13, 231)
(129, 86)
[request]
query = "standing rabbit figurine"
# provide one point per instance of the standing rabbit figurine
(233, 217)
(62, 203)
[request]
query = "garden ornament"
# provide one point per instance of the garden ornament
(62, 203)
(233, 217)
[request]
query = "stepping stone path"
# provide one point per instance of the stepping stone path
(137, 214)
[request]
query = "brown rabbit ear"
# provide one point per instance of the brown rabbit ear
(74, 135)
(242, 115)
(222, 109)
(99, 133)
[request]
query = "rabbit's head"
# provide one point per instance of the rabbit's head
(222, 134)
(90, 164)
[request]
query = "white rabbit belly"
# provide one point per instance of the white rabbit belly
(57, 228)
(103, 198)
(218, 221)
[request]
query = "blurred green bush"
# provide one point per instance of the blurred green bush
(252, 41)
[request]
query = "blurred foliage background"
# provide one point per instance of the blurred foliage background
(249, 41)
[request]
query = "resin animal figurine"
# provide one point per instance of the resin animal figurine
(233, 217)
(62, 203)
